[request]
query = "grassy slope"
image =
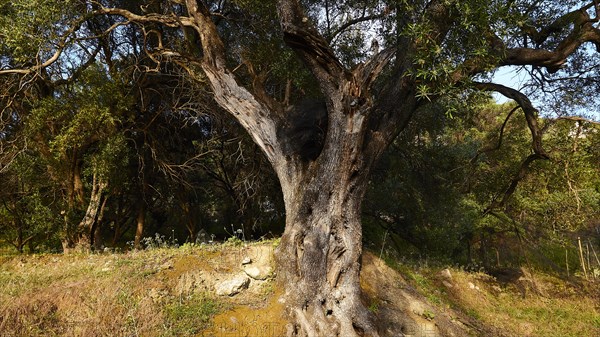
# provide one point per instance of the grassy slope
(161, 293)
(537, 305)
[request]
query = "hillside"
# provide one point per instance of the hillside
(173, 292)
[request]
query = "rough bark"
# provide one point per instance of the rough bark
(320, 251)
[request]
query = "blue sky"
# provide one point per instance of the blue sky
(511, 77)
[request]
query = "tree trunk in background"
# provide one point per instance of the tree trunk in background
(96, 233)
(139, 227)
(77, 182)
(85, 228)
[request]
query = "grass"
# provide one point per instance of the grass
(99, 295)
(187, 316)
(551, 307)
(544, 316)
(157, 292)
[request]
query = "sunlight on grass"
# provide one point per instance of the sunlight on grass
(188, 316)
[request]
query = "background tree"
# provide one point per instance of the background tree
(118, 165)
(26, 216)
(431, 192)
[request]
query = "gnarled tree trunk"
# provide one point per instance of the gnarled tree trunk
(323, 180)
(319, 255)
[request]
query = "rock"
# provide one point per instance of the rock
(446, 274)
(232, 286)
(246, 261)
(258, 272)
(473, 286)
(447, 278)
(447, 284)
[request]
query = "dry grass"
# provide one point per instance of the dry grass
(102, 295)
(544, 307)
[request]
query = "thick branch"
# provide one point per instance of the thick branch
(368, 72)
(212, 46)
(583, 31)
(397, 101)
(441, 18)
(525, 104)
(167, 20)
(257, 116)
(301, 35)
(576, 17)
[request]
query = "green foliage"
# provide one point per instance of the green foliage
(34, 27)
(26, 215)
(86, 112)
(433, 190)
(429, 315)
(190, 315)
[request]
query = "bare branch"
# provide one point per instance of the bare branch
(352, 22)
(500, 138)
(531, 113)
(512, 186)
(577, 119)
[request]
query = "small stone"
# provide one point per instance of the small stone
(446, 274)
(473, 286)
(258, 272)
(233, 286)
(166, 265)
(447, 284)
(157, 295)
(246, 260)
